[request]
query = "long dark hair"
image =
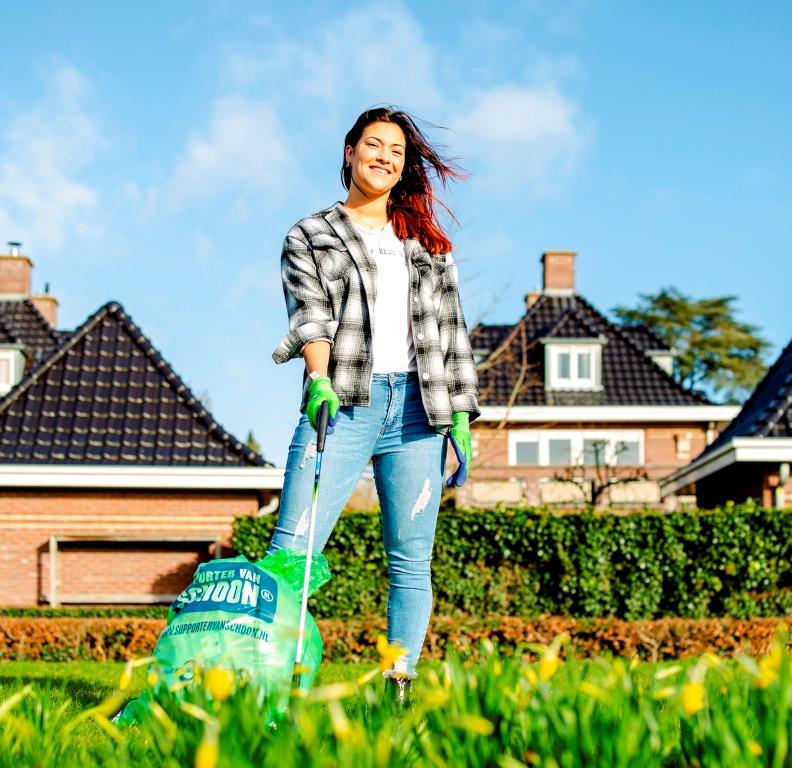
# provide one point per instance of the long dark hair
(412, 205)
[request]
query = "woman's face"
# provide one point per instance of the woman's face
(378, 158)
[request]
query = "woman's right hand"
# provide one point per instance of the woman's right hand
(321, 391)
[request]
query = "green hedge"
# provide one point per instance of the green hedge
(67, 612)
(526, 562)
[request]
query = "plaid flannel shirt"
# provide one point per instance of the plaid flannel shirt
(330, 285)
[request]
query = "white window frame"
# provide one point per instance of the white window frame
(15, 367)
(574, 348)
(576, 438)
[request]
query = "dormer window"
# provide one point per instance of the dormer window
(573, 364)
(12, 365)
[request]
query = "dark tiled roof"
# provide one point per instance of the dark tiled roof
(643, 337)
(629, 377)
(107, 396)
(27, 326)
(768, 411)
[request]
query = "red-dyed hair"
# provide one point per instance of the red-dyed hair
(412, 205)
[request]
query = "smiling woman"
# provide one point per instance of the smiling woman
(372, 297)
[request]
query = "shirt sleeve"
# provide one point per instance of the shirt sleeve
(460, 369)
(309, 309)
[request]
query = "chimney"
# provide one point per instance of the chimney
(532, 297)
(47, 305)
(558, 273)
(15, 273)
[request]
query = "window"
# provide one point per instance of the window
(594, 452)
(573, 365)
(563, 365)
(583, 447)
(628, 452)
(559, 452)
(583, 365)
(527, 452)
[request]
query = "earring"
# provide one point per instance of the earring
(348, 165)
(399, 179)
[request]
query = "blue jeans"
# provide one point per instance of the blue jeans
(409, 458)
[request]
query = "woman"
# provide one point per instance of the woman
(372, 296)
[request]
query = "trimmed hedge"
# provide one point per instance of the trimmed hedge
(75, 612)
(526, 562)
(353, 640)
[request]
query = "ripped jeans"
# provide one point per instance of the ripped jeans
(409, 458)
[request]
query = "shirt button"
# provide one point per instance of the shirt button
(415, 299)
(426, 377)
(420, 337)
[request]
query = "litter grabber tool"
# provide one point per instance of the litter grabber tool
(321, 436)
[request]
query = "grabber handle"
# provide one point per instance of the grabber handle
(321, 426)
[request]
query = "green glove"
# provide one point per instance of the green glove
(461, 433)
(320, 391)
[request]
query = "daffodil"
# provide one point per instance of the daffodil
(693, 698)
(207, 754)
(126, 677)
(389, 654)
(219, 683)
(549, 663)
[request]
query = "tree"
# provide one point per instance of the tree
(252, 443)
(716, 353)
(596, 473)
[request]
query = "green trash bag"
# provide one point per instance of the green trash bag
(240, 616)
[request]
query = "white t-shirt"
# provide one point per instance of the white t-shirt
(392, 346)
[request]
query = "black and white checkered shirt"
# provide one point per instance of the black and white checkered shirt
(330, 285)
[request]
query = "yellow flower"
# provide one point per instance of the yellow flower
(151, 678)
(755, 748)
(389, 654)
(530, 676)
(209, 749)
(549, 664)
(219, 682)
(664, 693)
(206, 755)
(126, 677)
(693, 698)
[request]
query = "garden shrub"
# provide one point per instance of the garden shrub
(354, 639)
(526, 562)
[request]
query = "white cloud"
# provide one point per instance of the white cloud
(372, 54)
(44, 153)
(245, 150)
(528, 138)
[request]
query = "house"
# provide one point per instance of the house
(577, 408)
(751, 457)
(115, 481)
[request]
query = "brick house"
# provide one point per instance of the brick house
(572, 403)
(752, 455)
(115, 481)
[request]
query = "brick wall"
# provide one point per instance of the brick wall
(667, 447)
(29, 518)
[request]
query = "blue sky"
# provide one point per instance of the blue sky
(156, 154)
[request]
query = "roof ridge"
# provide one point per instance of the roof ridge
(44, 322)
(180, 389)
